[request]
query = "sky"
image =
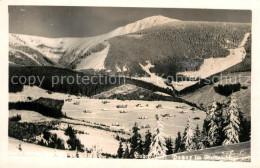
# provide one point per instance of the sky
(58, 21)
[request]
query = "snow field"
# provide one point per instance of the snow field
(111, 115)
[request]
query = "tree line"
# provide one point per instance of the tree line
(224, 124)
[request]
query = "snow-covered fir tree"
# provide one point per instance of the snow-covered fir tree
(215, 120)
(232, 128)
(96, 152)
(187, 143)
(158, 145)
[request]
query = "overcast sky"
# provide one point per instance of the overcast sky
(90, 21)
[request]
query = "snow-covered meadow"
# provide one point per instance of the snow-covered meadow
(86, 114)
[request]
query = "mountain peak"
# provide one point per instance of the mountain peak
(142, 24)
(159, 19)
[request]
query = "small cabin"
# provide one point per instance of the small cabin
(76, 103)
(87, 111)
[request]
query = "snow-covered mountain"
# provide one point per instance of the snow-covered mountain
(172, 47)
(67, 50)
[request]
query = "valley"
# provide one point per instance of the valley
(157, 76)
(104, 121)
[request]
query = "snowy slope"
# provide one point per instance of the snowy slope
(67, 50)
(94, 61)
(46, 46)
(231, 153)
(161, 82)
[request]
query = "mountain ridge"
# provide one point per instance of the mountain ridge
(172, 47)
(58, 49)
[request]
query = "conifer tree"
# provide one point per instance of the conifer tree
(158, 145)
(245, 129)
(126, 153)
(147, 142)
(232, 129)
(178, 143)
(205, 134)
(120, 150)
(140, 147)
(198, 138)
(188, 137)
(96, 152)
(135, 141)
(169, 146)
(215, 118)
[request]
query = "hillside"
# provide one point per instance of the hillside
(205, 95)
(133, 92)
(57, 80)
(154, 47)
(67, 50)
(174, 47)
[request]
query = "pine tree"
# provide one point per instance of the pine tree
(198, 139)
(140, 147)
(205, 134)
(158, 145)
(147, 143)
(135, 141)
(178, 143)
(126, 153)
(120, 150)
(232, 129)
(245, 129)
(169, 146)
(187, 143)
